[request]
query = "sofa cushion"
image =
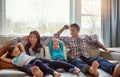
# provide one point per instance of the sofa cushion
(12, 73)
(4, 65)
(94, 51)
(1, 51)
(4, 48)
(47, 53)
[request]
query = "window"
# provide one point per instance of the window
(45, 16)
(48, 16)
(91, 17)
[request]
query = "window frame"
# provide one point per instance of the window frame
(75, 14)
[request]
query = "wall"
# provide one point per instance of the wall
(2, 16)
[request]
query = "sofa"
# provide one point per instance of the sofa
(9, 70)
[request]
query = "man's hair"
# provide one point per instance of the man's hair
(75, 26)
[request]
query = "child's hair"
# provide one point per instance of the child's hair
(10, 50)
(55, 39)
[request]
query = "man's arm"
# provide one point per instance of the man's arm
(104, 48)
(61, 30)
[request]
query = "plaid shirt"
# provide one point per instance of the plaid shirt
(80, 46)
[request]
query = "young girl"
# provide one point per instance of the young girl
(56, 49)
(20, 59)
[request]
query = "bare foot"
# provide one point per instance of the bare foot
(76, 71)
(36, 71)
(116, 71)
(56, 74)
(93, 69)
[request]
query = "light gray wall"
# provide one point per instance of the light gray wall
(0, 16)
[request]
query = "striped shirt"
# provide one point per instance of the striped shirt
(22, 59)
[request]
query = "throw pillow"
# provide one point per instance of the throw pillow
(5, 65)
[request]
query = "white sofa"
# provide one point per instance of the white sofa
(17, 73)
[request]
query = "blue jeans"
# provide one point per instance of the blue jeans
(84, 63)
(47, 66)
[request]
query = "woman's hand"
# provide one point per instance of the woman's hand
(24, 38)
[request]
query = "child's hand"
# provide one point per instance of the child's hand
(19, 44)
(53, 39)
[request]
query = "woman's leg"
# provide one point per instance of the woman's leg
(45, 68)
(29, 69)
(36, 71)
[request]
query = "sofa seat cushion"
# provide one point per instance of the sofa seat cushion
(113, 61)
(17, 73)
(12, 73)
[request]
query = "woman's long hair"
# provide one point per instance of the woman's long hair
(38, 44)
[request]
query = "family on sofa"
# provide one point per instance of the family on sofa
(78, 54)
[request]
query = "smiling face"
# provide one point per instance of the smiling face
(74, 32)
(16, 52)
(55, 44)
(32, 39)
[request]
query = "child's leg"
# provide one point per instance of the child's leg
(66, 66)
(56, 74)
(76, 70)
(36, 71)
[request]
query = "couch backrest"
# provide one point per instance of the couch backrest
(93, 50)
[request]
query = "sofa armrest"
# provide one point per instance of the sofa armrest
(111, 56)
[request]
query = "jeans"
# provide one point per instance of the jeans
(84, 63)
(63, 60)
(27, 69)
(47, 66)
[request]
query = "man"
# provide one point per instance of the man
(79, 56)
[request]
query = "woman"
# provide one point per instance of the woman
(35, 48)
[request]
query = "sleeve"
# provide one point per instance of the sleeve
(13, 60)
(61, 45)
(50, 46)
